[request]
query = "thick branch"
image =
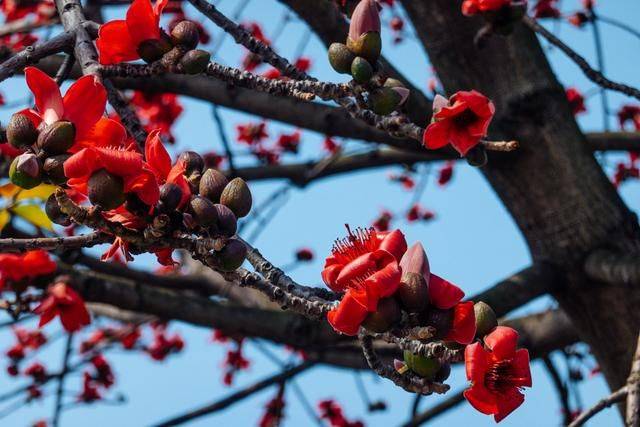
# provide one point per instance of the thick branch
(613, 268)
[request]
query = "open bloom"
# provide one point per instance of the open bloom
(158, 162)
(16, 267)
(497, 372)
(119, 40)
(83, 105)
(64, 302)
(472, 7)
(365, 266)
(460, 121)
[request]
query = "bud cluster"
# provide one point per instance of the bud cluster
(359, 57)
(183, 40)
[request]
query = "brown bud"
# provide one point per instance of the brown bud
(57, 138)
(170, 196)
(443, 373)
(106, 190)
(425, 367)
(441, 320)
(193, 162)
(413, 292)
(227, 224)
(231, 257)
(361, 70)
(195, 61)
(237, 197)
(55, 214)
(477, 156)
(153, 49)
(486, 320)
(54, 168)
(212, 184)
(383, 319)
(340, 58)
(21, 132)
(186, 34)
(136, 206)
(204, 211)
(25, 171)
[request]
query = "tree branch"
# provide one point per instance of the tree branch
(614, 268)
(613, 398)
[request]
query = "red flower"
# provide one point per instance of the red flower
(64, 302)
(445, 173)
(364, 266)
(304, 254)
(463, 329)
(158, 111)
(37, 371)
(90, 391)
(383, 222)
(417, 212)
(252, 133)
(289, 142)
(119, 40)
(159, 162)
(576, 101)
(546, 9)
(472, 7)
(497, 372)
(578, 19)
(629, 113)
(331, 411)
(461, 121)
(17, 267)
(83, 105)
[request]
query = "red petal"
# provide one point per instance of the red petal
(357, 268)
(462, 140)
(142, 22)
(330, 276)
(84, 103)
(159, 7)
(508, 403)
(348, 316)
(463, 329)
(115, 44)
(482, 399)
(443, 294)
(383, 283)
(436, 135)
(156, 155)
(46, 94)
(502, 342)
(395, 244)
(82, 164)
(521, 368)
(120, 162)
(475, 362)
(144, 185)
(105, 133)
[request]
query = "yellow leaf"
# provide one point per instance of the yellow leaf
(34, 214)
(9, 190)
(42, 192)
(4, 218)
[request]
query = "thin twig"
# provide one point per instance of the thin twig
(615, 397)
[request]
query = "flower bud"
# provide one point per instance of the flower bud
(413, 292)
(195, 61)
(136, 206)
(212, 184)
(361, 70)
(153, 49)
(53, 167)
(25, 171)
(441, 320)
(227, 224)
(365, 19)
(425, 367)
(57, 138)
(237, 197)
(231, 257)
(21, 132)
(391, 82)
(443, 373)
(203, 211)
(170, 196)
(368, 46)
(55, 214)
(384, 100)
(106, 190)
(340, 58)
(186, 34)
(383, 319)
(477, 156)
(486, 320)
(193, 162)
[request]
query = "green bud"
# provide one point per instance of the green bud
(237, 197)
(25, 171)
(55, 214)
(106, 190)
(21, 132)
(195, 61)
(54, 168)
(425, 367)
(186, 34)
(384, 100)
(340, 58)
(413, 292)
(486, 320)
(203, 211)
(57, 138)
(368, 45)
(361, 70)
(383, 319)
(212, 184)
(231, 257)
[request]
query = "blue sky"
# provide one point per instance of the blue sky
(473, 242)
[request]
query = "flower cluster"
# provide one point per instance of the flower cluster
(19, 270)
(332, 412)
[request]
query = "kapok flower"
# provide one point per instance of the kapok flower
(122, 40)
(159, 162)
(17, 267)
(463, 327)
(83, 105)
(460, 121)
(365, 266)
(497, 372)
(576, 101)
(64, 302)
(472, 7)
